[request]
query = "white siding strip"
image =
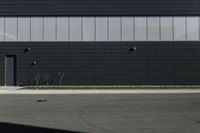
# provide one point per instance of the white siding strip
(62, 29)
(153, 29)
(49, 28)
(10, 29)
(75, 29)
(179, 29)
(2, 29)
(102, 29)
(88, 29)
(140, 29)
(127, 29)
(24, 29)
(114, 29)
(166, 28)
(37, 29)
(192, 29)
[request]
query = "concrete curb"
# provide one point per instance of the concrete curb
(10, 87)
(103, 91)
(117, 86)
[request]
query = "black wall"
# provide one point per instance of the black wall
(99, 7)
(108, 63)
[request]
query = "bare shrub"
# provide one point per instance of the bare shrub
(37, 77)
(61, 76)
(46, 77)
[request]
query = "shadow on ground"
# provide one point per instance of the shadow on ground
(17, 128)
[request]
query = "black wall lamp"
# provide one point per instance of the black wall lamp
(132, 49)
(27, 49)
(34, 63)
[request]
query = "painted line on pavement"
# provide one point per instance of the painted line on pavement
(106, 91)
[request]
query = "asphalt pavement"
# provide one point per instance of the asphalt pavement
(100, 113)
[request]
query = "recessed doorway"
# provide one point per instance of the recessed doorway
(10, 70)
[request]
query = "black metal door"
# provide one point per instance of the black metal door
(10, 67)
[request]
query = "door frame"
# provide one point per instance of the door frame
(15, 68)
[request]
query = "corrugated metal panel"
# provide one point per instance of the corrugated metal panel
(99, 7)
(106, 63)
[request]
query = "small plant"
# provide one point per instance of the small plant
(61, 76)
(37, 78)
(46, 77)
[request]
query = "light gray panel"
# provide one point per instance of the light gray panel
(102, 29)
(1, 28)
(62, 29)
(179, 29)
(127, 29)
(9, 71)
(24, 29)
(49, 28)
(166, 29)
(75, 29)
(10, 28)
(192, 29)
(36, 28)
(153, 29)
(140, 29)
(88, 29)
(114, 29)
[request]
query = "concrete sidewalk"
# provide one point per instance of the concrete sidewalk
(17, 90)
(8, 88)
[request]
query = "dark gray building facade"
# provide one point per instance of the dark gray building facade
(100, 42)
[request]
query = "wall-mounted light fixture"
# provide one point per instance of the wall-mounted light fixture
(34, 63)
(132, 49)
(27, 49)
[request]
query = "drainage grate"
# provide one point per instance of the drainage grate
(42, 100)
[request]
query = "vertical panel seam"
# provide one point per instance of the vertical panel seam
(120, 28)
(69, 29)
(173, 30)
(186, 35)
(5, 73)
(147, 30)
(81, 28)
(17, 29)
(56, 29)
(43, 38)
(30, 29)
(95, 36)
(133, 19)
(4, 28)
(199, 26)
(108, 30)
(159, 28)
